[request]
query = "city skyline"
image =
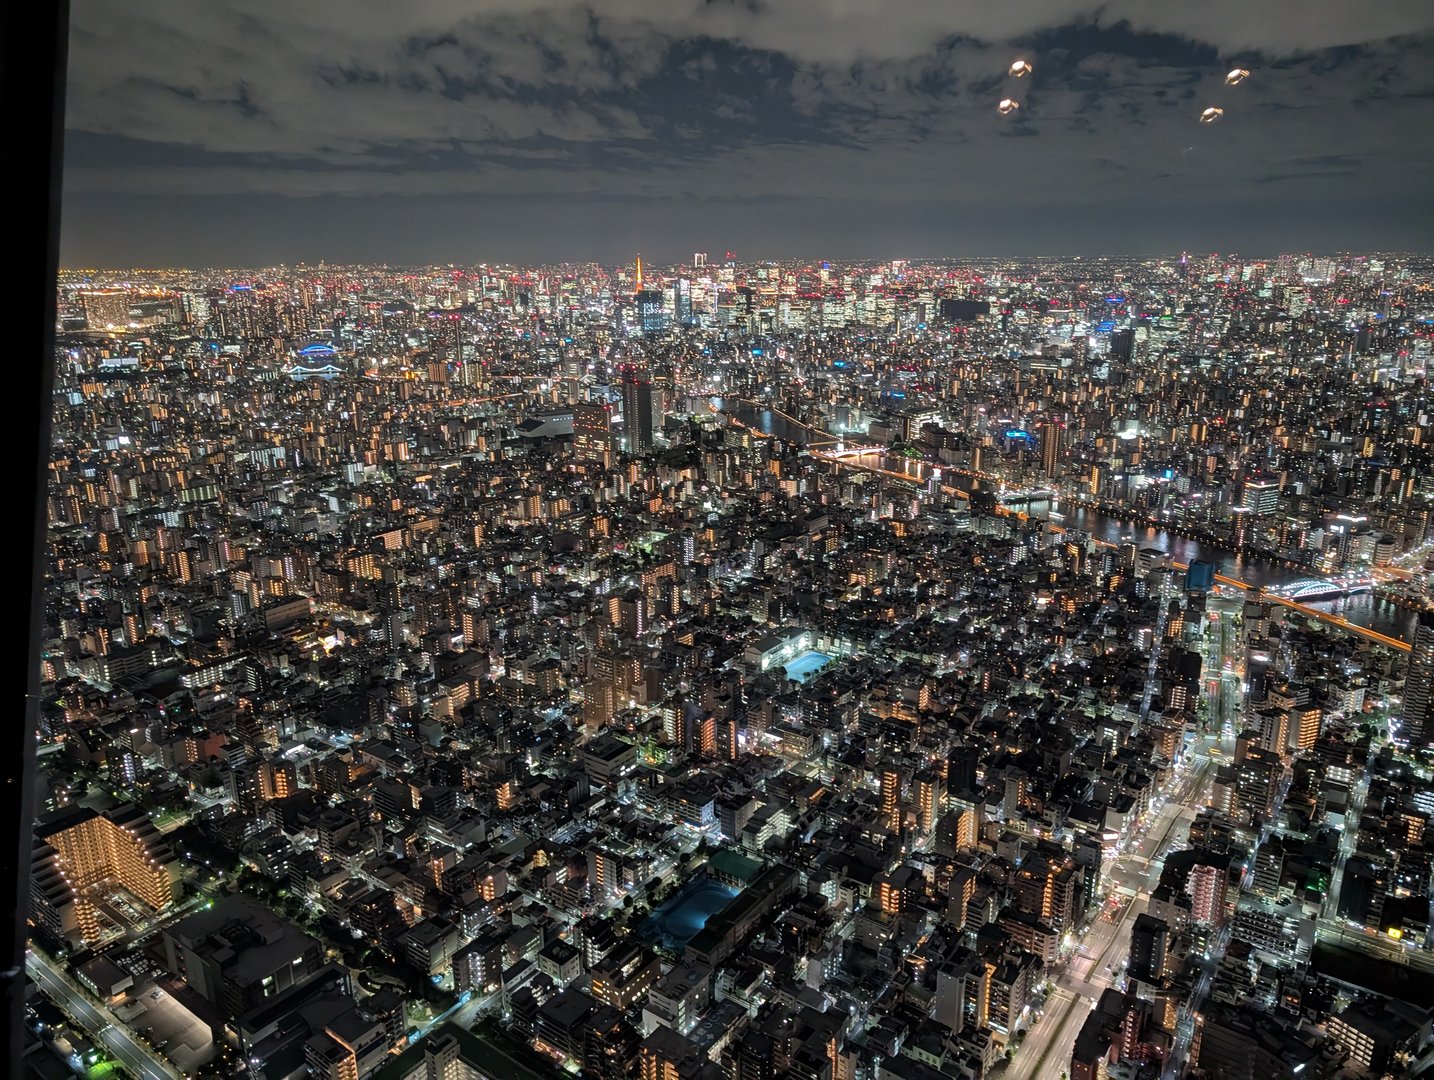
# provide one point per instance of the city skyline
(684, 266)
(739, 669)
(537, 134)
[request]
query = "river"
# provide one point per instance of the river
(1364, 610)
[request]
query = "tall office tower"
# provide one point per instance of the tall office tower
(95, 851)
(682, 301)
(592, 433)
(1053, 447)
(1261, 496)
(1417, 723)
(1122, 344)
(891, 797)
(651, 315)
(636, 409)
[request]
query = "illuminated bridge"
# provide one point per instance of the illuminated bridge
(308, 371)
(1304, 609)
(1026, 497)
(1308, 590)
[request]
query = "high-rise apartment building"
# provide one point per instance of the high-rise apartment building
(1053, 448)
(930, 799)
(889, 783)
(1417, 719)
(1048, 886)
(95, 852)
(1206, 886)
(1149, 945)
(636, 410)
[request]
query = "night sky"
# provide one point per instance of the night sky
(219, 133)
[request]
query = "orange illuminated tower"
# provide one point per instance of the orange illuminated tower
(930, 799)
(638, 289)
(890, 787)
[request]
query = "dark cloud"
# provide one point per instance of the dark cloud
(367, 129)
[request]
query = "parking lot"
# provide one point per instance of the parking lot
(159, 1016)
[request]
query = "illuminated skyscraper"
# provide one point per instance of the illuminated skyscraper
(592, 433)
(682, 301)
(636, 410)
(1417, 724)
(650, 312)
(1053, 448)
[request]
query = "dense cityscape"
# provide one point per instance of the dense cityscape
(737, 670)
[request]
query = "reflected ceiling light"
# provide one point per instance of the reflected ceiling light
(1019, 69)
(1236, 76)
(1007, 106)
(1210, 115)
